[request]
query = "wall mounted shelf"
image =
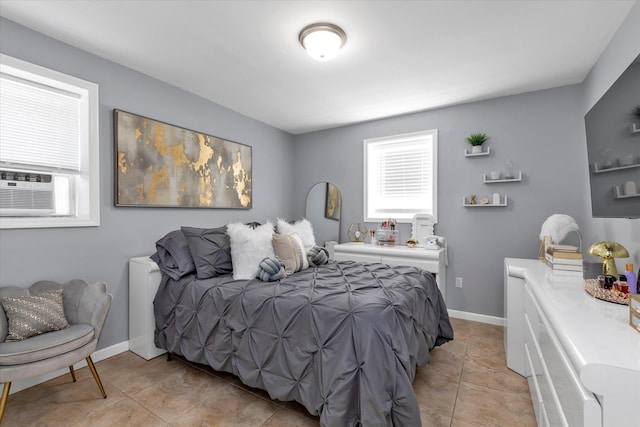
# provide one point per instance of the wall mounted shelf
(468, 153)
(488, 180)
(466, 204)
(619, 194)
(596, 169)
(633, 128)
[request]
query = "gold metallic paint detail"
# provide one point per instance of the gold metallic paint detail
(158, 140)
(140, 191)
(158, 178)
(206, 194)
(122, 162)
(206, 153)
(240, 181)
(138, 133)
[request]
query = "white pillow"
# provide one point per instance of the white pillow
(249, 247)
(302, 227)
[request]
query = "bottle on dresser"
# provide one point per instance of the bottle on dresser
(632, 280)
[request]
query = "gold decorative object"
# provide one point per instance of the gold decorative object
(357, 232)
(608, 251)
(472, 200)
(411, 243)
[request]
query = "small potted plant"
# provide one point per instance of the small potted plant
(476, 140)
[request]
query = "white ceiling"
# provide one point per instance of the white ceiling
(400, 56)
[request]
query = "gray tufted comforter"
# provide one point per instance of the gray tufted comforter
(343, 339)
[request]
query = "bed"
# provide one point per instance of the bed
(343, 338)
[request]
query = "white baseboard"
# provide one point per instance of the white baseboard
(483, 318)
(97, 356)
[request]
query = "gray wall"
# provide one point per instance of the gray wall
(101, 253)
(539, 131)
(621, 51)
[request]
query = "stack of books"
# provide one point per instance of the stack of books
(564, 262)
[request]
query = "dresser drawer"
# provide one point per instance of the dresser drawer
(411, 262)
(534, 387)
(350, 256)
(579, 406)
(550, 401)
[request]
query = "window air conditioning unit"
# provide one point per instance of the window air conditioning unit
(26, 194)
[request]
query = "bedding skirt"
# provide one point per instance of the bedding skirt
(343, 339)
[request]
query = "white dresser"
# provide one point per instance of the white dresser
(579, 354)
(432, 260)
(144, 279)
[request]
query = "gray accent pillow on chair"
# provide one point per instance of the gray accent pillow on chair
(210, 249)
(32, 315)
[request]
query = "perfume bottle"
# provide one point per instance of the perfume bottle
(632, 280)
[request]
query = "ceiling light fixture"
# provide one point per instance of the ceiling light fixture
(322, 40)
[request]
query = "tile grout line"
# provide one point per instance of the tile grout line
(464, 357)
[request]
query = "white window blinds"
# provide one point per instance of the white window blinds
(48, 125)
(400, 176)
(39, 125)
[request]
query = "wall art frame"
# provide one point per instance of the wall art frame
(333, 202)
(158, 164)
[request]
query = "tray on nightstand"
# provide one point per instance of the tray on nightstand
(609, 295)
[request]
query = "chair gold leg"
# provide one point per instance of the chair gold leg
(73, 373)
(96, 376)
(5, 396)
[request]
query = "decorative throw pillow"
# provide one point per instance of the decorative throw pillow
(290, 250)
(32, 315)
(173, 256)
(271, 269)
(318, 256)
(210, 249)
(248, 247)
(302, 227)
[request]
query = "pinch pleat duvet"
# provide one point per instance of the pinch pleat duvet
(343, 339)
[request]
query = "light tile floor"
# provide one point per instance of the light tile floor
(466, 384)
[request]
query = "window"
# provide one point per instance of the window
(49, 173)
(400, 176)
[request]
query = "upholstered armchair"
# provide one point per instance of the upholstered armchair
(22, 356)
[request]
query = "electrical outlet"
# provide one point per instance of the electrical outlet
(458, 282)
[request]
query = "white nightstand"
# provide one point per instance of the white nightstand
(144, 279)
(434, 261)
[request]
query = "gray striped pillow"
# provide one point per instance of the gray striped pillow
(32, 315)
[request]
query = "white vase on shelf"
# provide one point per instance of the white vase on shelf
(476, 149)
(629, 188)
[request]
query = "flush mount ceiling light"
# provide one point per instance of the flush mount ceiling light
(322, 40)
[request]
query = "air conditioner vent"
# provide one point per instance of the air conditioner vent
(26, 194)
